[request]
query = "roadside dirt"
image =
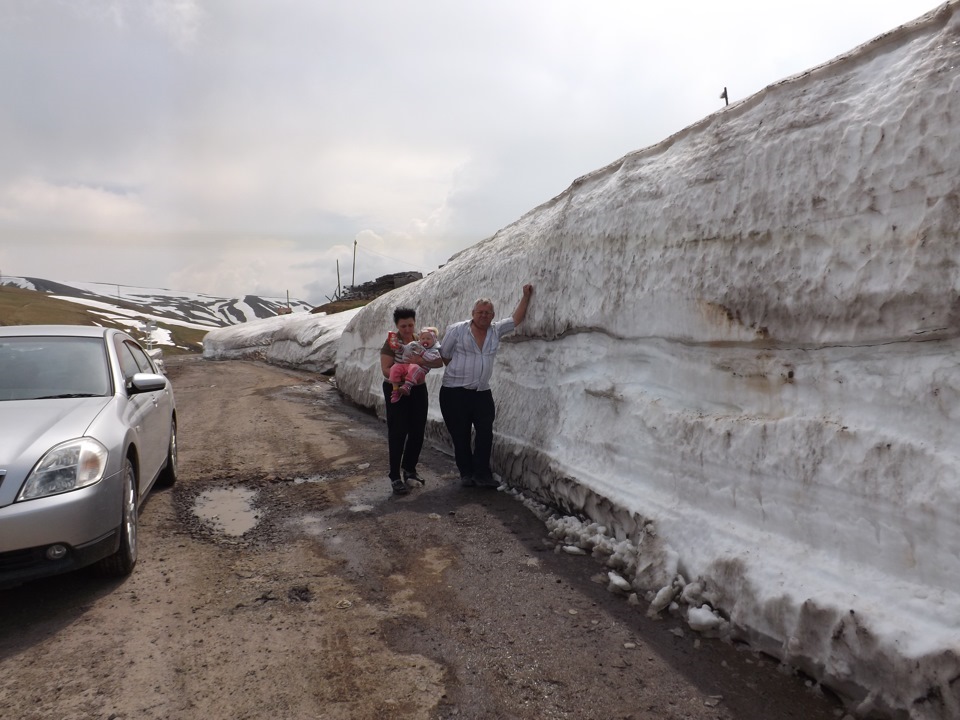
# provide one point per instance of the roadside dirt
(345, 602)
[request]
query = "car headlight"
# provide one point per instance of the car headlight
(65, 467)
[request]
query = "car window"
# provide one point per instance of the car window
(51, 367)
(143, 360)
(128, 364)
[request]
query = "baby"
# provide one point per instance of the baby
(404, 374)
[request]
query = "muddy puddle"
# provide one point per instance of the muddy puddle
(228, 510)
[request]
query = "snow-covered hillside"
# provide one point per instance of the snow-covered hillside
(170, 306)
(742, 360)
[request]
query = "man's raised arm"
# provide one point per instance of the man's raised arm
(521, 311)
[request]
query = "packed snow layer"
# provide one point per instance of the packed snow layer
(742, 359)
(301, 340)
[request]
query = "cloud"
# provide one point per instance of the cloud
(180, 20)
(197, 125)
(32, 202)
(261, 269)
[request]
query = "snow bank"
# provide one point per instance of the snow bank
(741, 359)
(301, 340)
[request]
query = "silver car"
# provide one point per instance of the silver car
(87, 426)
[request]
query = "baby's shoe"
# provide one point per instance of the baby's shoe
(395, 396)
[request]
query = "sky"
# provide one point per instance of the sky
(235, 147)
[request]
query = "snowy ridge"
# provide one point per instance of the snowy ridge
(741, 359)
(188, 309)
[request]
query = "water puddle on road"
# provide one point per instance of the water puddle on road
(228, 510)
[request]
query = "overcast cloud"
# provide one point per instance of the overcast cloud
(240, 146)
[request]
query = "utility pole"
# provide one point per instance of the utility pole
(338, 278)
(725, 97)
(353, 277)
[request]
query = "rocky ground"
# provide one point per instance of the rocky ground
(280, 579)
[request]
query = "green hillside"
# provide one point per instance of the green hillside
(29, 307)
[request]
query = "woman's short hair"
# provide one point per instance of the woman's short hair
(402, 313)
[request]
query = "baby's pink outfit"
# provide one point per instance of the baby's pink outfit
(406, 375)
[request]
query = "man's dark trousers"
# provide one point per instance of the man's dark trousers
(464, 411)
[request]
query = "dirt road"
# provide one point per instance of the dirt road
(314, 593)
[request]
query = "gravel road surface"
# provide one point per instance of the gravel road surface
(279, 578)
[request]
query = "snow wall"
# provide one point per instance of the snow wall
(304, 341)
(742, 357)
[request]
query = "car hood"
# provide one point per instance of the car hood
(34, 426)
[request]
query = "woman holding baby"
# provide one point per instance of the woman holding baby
(403, 365)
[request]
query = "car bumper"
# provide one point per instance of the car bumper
(20, 566)
(84, 521)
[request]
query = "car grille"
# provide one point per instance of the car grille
(21, 559)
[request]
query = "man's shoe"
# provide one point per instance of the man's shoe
(487, 482)
(408, 476)
(467, 481)
(399, 487)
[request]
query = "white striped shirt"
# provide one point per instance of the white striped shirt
(470, 366)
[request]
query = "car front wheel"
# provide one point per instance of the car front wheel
(168, 476)
(122, 561)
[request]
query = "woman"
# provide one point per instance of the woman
(407, 418)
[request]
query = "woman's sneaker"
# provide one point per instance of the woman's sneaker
(408, 476)
(399, 487)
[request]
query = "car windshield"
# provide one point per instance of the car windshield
(34, 368)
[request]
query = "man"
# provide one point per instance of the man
(468, 350)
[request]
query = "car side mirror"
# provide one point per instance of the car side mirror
(145, 382)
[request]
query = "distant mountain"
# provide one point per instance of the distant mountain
(191, 309)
